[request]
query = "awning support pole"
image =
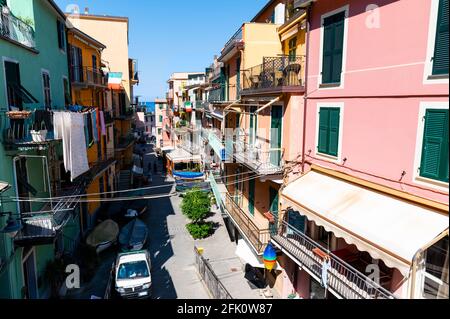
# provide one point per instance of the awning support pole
(269, 104)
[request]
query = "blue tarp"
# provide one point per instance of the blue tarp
(188, 175)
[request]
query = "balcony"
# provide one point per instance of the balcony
(217, 94)
(343, 279)
(124, 115)
(87, 77)
(236, 39)
(124, 142)
(16, 30)
(258, 237)
(283, 74)
(42, 227)
(22, 132)
(263, 162)
(190, 147)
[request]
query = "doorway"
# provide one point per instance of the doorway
(29, 274)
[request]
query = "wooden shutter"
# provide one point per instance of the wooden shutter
(324, 129)
(440, 58)
(435, 162)
(333, 141)
(333, 44)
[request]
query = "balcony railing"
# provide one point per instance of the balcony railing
(275, 73)
(26, 133)
(235, 39)
(125, 142)
(41, 228)
(343, 279)
(87, 76)
(259, 238)
(15, 29)
(125, 114)
(190, 147)
(264, 162)
(217, 94)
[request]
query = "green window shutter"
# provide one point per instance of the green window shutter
(333, 146)
(251, 197)
(333, 44)
(329, 126)
(435, 158)
(440, 58)
(324, 130)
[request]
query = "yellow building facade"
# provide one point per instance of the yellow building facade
(89, 87)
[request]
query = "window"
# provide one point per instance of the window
(434, 162)
(46, 87)
(440, 57)
(67, 97)
(159, 131)
(329, 125)
(61, 35)
(333, 47)
(160, 119)
(76, 64)
(292, 49)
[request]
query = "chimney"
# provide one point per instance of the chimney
(86, 11)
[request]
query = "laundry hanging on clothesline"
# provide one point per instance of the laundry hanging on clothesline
(70, 127)
(102, 123)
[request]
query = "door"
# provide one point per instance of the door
(276, 133)
(274, 209)
(29, 273)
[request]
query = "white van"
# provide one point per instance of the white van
(133, 275)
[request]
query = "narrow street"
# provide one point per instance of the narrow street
(171, 247)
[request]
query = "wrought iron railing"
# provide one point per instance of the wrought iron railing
(275, 72)
(343, 279)
(125, 141)
(25, 131)
(263, 161)
(87, 76)
(236, 38)
(215, 286)
(258, 237)
(217, 94)
(15, 29)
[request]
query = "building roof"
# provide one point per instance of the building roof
(100, 17)
(57, 9)
(263, 10)
(160, 100)
(87, 37)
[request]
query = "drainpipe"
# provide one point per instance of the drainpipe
(305, 107)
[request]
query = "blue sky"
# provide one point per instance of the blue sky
(173, 36)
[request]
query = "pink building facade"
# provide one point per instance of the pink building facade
(375, 124)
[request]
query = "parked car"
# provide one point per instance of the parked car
(132, 275)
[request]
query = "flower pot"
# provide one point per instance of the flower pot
(39, 136)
